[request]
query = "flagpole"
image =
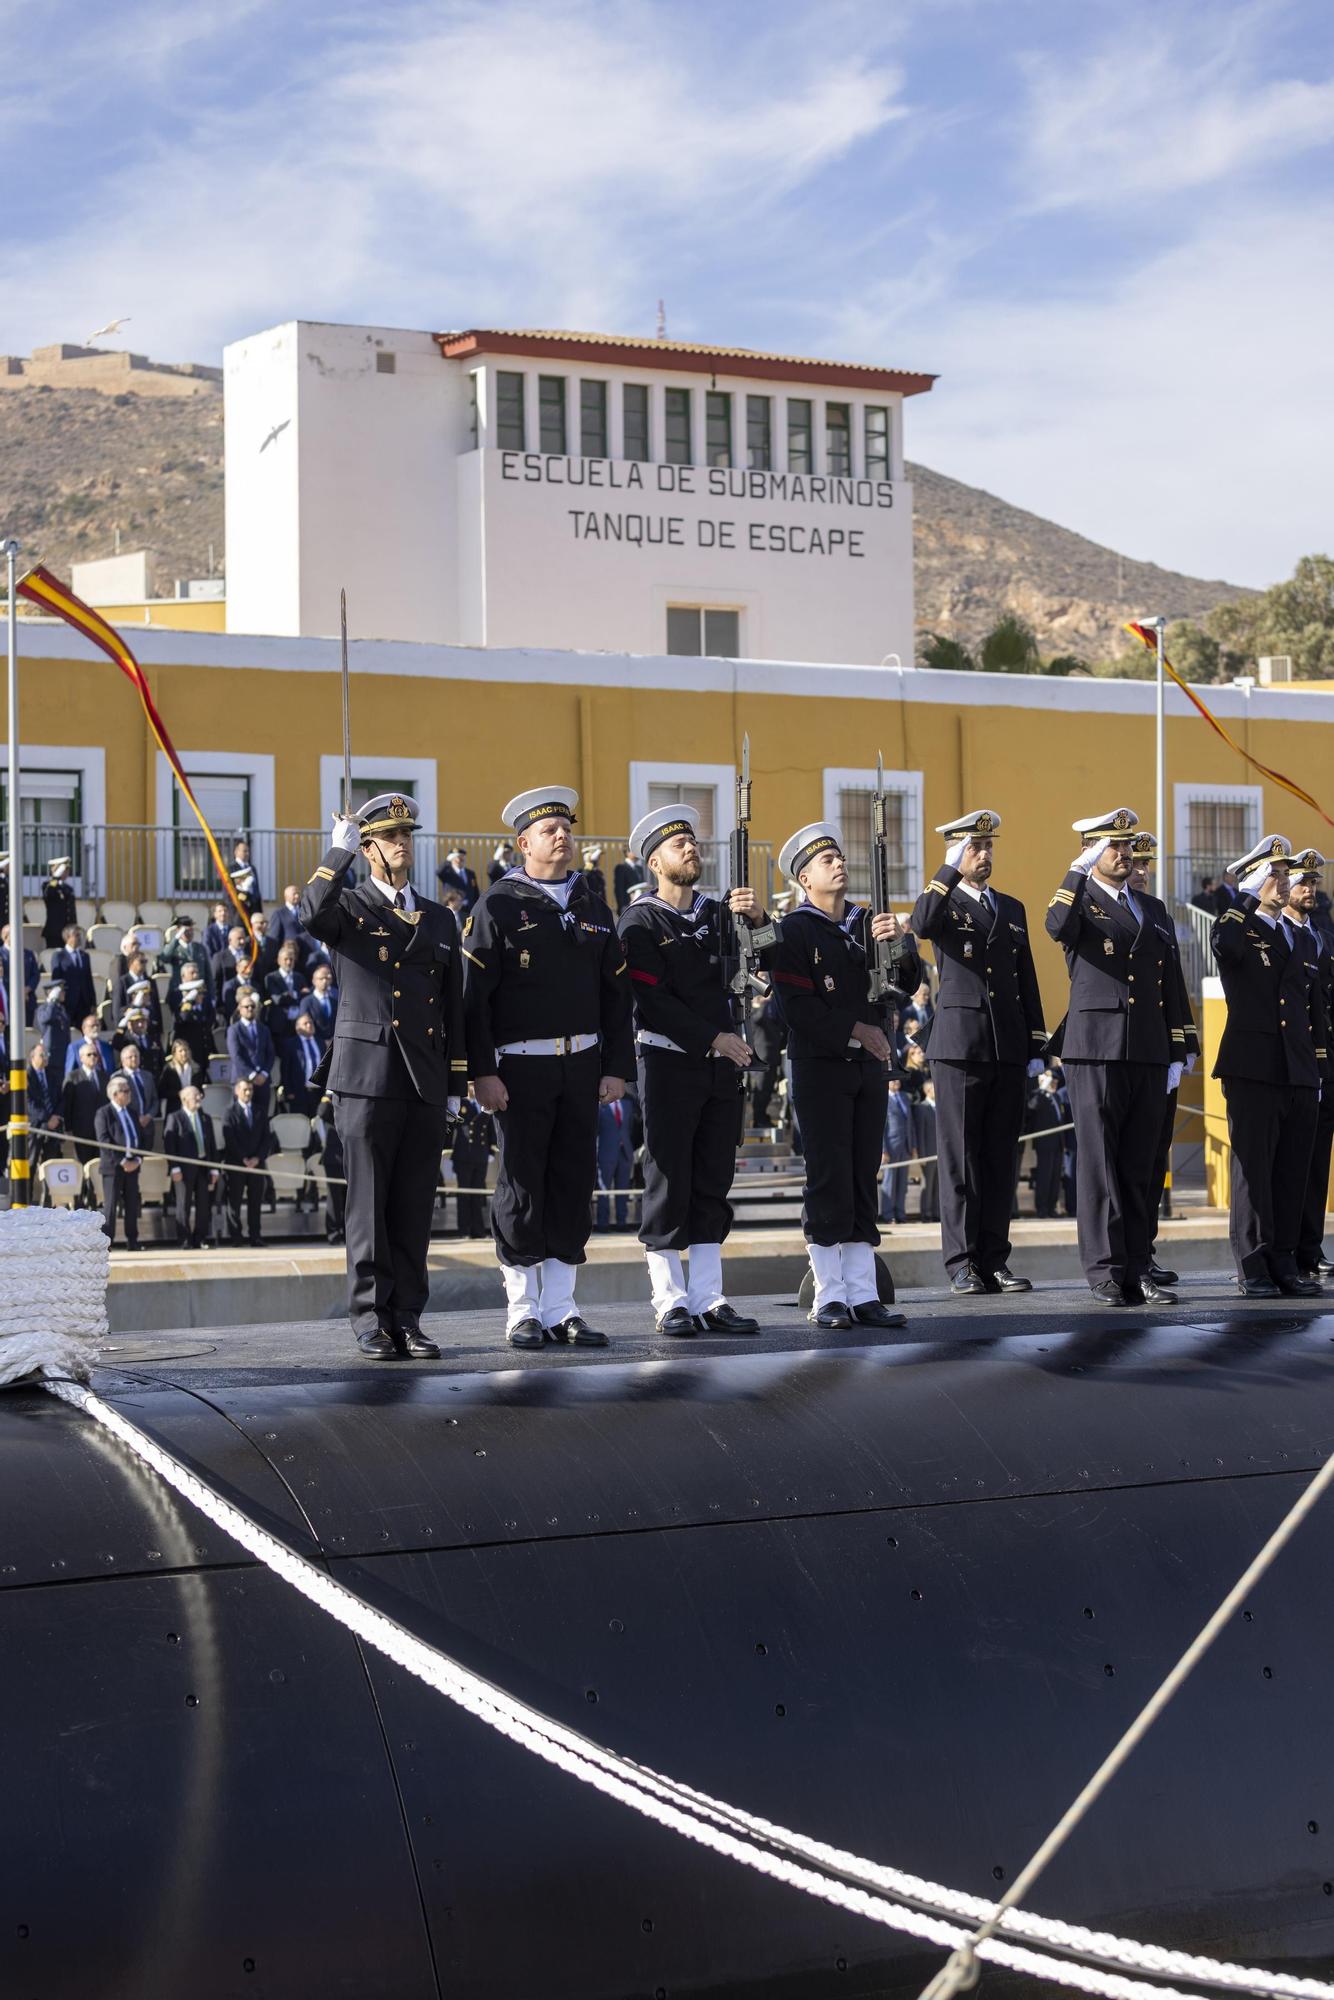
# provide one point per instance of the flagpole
(17, 1032)
(1158, 627)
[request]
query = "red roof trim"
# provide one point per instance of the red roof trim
(685, 360)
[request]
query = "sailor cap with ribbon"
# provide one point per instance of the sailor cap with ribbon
(1309, 862)
(982, 825)
(388, 812)
(1118, 824)
(798, 852)
(1144, 846)
(1271, 847)
(547, 802)
(663, 823)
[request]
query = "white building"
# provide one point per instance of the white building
(588, 492)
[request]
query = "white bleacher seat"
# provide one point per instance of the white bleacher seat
(34, 910)
(99, 964)
(220, 1069)
(119, 914)
(62, 1180)
(156, 914)
(289, 1170)
(85, 910)
(217, 1100)
(105, 937)
(291, 1129)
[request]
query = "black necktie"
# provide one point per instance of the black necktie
(400, 900)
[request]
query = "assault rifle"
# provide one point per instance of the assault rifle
(742, 941)
(885, 954)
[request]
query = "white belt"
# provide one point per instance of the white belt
(555, 1045)
(647, 1040)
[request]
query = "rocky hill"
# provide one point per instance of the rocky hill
(76, 465)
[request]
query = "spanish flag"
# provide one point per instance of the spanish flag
(48, 592)
(1149, 638)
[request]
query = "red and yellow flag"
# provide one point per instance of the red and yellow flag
(1149, 638)
(41, 588)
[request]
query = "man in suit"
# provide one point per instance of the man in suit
(250, 1047)
(500, 863)
(1123, 1048)
(287, 927)
(397, 1066)
(224, 961)
(58, 896)
(984, 1042)
(72, 964)
(896, 1153)
(322, 1001)
(82, 1098)
(615, 1157)
(454, 873)
(45, 1122)
(474, 1143)
(142, 1006)
(1304, 892)
(245, 881)
(1206, 896)
(189, 1136)
(52, 1025)
(32, 973)
(119, 1145)
(1044, 1113)
(300, 1056)
(924, 1149)
(181, 948)
(1270, 1058)
(246, 1144)
(285, 992)
(145, 1102)
(627, 874)
(1144, 854)
(215, 931)
(234, 990)
(264, 956)
(103, 1054)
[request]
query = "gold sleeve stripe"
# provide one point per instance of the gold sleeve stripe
(321, 875)
(473, 956)
(621, 967)
(1178, 1034)
(937, 888)
(459, 1063)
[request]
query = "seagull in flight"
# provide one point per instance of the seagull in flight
(277, 431)
(112, 326)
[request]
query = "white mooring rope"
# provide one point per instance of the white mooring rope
(723, 1828)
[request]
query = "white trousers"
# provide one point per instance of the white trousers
(538, 1291)
(670, 1287)
(844, 1274)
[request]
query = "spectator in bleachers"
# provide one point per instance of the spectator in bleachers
(181, 948)
(921, 1009)
(285, 991)
(129, 944)
(322, 1001)
(1206, 896)
(145, 1101)
(192, 1013)
(44, 1117)
(1043, 1113)
(300, 1055)
(454, 873)
(136, 973)
(143, 995)
(104, 1056)
(474, 1143)
(189, 1135)
(120, 1155)
(324, 1133)
(615, 1156)
(244, 879)
(215, 931)
(241, 981)
(224, 961)
(898, 1149)
(58, 896)
(265, 953)
(32, 972)
(52, 1023)
(72, 964)
(179, 1070)
(250, 1046)
(81, 1100)
(246, 1142)
(501, 862)
(286, 926)
(916, 1074)
(593, 875)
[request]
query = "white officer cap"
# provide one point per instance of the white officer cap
(662, 824)
(1273, 847)
(62, 862)
(132, 1014)
(547, 802)
(981, 825)
(53, 986)
(388, 812)
(1144, 846)
(1118, 824)
(806, 843)
(1309, 862)
(146, 985)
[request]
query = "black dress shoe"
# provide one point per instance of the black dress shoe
(968, 1283)
(834, 1318)
(527, 1333)
(1258, 1288)
(415, 1342)
(725, 1319)
(1299, 1288)
(378, 1344)
(1109, 1293)
(1148, 1293)
(576, 1332)
(1005, 1281)
(872, 1313)
(679, 1322)
(1162, 1277)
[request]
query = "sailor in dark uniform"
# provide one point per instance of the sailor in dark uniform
(840, 1076)
(61, 908)
(691, 1063)
(396, 1068)
(1122, 1051)
(984, 1042)
(1269, 1059)
(1144, 856)
(549, 1039)
(1303, 892)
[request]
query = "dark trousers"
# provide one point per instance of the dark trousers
(391, 1155)
(1047, 1188)
(692, 1118)
(548, 1157)
(1272, 1129)
(979, 1115)
(841, 1109)
(613, 1172)
(928, 1207)
(894, 1188)
(1117, 1108)
(1310, 1237)
(470, 1171)
(1161, 1157)
(194, 1206)
(335, 1207)
(121, 1190)
(762, 1090)
(245, 1190)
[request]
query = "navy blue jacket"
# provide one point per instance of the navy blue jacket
(821, 978)
(988, 1008)
(1125, 991)
(1276, 1030)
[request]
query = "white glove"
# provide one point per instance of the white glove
(453, 1105)
(346, 833)
(1191, 1061)
(954, 855)
(1174, 1077)
(1036, 1066)
(1085, 859)
(1253, 883)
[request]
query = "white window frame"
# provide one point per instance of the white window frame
(258, 770)
(839, 777)
(1184, 796)
(721, 777)
(90, 761)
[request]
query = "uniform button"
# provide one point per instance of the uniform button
(397, 994)
(397, 963)
(1131, 1001)
(393, 1024)
(430, 1031)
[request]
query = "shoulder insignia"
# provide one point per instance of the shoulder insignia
(1062, 896)
(937, 889)
(468, 924)
(1233, 917)
(322, 875)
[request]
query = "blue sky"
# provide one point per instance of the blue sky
(1109, 227)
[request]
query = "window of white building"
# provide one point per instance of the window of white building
(800, 438)
(877, 442)
(759, 433)
(709, 788)
(511, 431)
(634, 408)
(703, 631)
(838, 439)
(551, 414)
(593, 419)
(677, 418)
(717, 427)
(847, 801)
